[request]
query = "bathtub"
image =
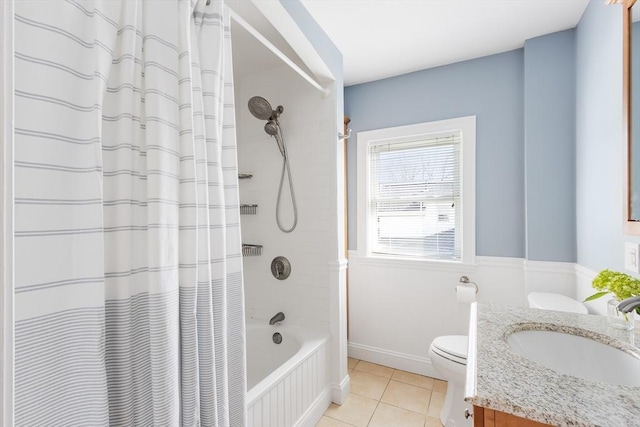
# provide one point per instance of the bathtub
(287, 383)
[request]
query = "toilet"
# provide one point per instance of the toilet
(448, 356)
(557, 302)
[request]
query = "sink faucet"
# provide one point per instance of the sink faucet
(277, 318)
(626, 305)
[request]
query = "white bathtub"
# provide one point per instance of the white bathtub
(288, 383)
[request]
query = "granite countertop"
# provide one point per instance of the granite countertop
(500, 379)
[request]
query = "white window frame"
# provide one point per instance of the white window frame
(467, 125)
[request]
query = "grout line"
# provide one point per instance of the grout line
(373, 413)
(378, 401)
(368, 372)
(337, 419)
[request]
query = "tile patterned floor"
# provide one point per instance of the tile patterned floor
(387, 397)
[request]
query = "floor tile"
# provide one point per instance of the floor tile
(372, 368)
(387, 415)
(367, 385)
(440, 386)
(331, 422)
(413, 379)
(407, 396)
(356, 410)
(351, 362)
(435, 404)
(432, 422)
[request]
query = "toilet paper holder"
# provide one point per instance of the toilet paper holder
(465, 279)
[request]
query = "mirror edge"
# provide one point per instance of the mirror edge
(631, 227)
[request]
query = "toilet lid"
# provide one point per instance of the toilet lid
(549, 301)
(455, 345)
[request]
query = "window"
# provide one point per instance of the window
(416, 194)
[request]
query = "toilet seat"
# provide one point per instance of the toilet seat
(452, 348)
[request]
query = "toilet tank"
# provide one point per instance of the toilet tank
(550, 301)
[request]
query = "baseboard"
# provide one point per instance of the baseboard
(312, 415)
(392, 359)
(340, 392)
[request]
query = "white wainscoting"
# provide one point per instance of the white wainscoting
(299, 398)
(584, 277)
(397, 307)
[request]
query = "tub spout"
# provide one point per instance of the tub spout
(277, 318)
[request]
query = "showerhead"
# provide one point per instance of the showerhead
(261, 109)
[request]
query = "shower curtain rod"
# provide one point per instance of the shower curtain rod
(244, 24)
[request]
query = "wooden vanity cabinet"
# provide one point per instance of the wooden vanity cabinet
(483, 417)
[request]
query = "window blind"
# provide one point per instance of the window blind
(415, 197)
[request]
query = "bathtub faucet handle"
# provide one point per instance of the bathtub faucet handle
(279, 317)
(279, 268)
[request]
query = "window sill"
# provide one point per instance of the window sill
(411, 263)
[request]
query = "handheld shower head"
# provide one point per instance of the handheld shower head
(271, 128)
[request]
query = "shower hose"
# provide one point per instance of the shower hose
(285, 165)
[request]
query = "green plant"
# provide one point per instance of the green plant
(619, 284)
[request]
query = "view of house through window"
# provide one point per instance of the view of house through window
(415, 196)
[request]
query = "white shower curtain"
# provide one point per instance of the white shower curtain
(129, 299)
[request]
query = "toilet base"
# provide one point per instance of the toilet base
(452, 414)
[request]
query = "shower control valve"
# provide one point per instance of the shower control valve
(280, 268)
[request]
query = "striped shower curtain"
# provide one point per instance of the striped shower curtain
(128, 287)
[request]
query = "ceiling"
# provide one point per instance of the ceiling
(385, 38)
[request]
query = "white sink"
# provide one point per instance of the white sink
(577, 356)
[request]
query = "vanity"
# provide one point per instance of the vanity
(529, 367)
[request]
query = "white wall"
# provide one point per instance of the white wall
(397, 308)
(6, 215)
(308, 124)
(314, 295)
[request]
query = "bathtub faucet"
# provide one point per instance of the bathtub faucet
(626, 305)
(277, 318)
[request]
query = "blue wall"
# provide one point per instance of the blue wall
(549, 125)
(599, 145)
(491, 88)
(549, 139)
